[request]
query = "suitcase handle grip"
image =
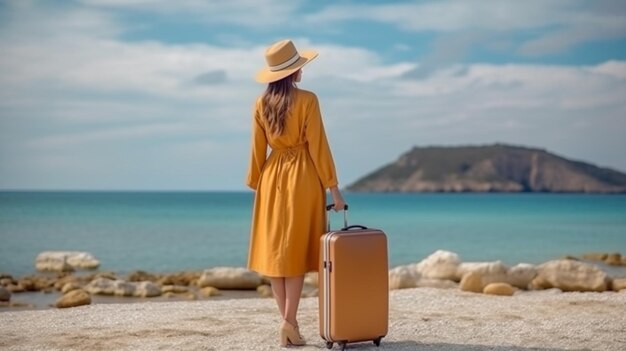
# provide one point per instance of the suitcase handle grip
(330, 207)
(356, 226)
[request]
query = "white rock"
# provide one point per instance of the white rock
(494, 268)
(82, 260)
(403, 277)
(472, 281)
(52, 261)
(490, 272)
(521, 275)
(265, 291)
(101, 286)
(311, 279)
(502, 289)
(230, 278)
(176, 289)
(569, 275)
(104, 286)
(210, 291)
(76, 297)
(124, 288)
(63, 261)
(67, 287)
(619, 284)
(5, 294)
(147, 289)
(440, 265)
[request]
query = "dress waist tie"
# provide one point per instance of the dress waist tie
(286, 156)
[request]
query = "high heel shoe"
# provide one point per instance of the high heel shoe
(290, 335)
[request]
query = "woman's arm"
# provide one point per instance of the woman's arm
(258, 150)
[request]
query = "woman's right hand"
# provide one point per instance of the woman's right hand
(338, 200)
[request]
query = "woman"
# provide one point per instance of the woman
(289, 205)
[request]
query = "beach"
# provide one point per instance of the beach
(439, 303)
(420, 319)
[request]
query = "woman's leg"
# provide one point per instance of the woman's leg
(293, 290)
(278, 288)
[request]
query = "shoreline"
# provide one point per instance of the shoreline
(420, 319)
(442, 269)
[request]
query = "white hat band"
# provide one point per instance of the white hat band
(285, 64)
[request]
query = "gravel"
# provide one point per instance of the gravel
(420, 319)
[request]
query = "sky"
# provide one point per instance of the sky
(158, 94)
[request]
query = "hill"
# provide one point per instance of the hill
(491, 168)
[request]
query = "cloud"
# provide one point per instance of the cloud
(259, 14)
(89, 59)
(525, 86)
(552, 26)
(41, 20)
(84, 139)
(352, 63)
(447, 50)
(612, 68)
(211, 77)
(86, 108)
(110, 65)
(562, 40)
(442, 16)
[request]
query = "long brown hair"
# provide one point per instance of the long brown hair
(277, 100)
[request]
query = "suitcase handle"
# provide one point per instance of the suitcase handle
(356, 226)
(345, 216)
(331, 206)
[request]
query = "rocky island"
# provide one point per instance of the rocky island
(491, 168)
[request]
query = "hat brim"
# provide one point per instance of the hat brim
(267, 76)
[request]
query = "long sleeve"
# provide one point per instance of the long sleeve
(318, 146)
(258, 150)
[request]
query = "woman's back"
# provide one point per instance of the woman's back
(304, 104)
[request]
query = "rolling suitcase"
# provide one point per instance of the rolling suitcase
(353, 284)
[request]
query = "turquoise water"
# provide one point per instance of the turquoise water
(172, 231)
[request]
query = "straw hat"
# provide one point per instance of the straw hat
(282, 60)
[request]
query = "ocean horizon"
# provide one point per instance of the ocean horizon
(169, 231)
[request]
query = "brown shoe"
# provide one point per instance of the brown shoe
(290, 335)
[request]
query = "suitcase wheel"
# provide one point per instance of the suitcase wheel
(377, 341)
(343, 344)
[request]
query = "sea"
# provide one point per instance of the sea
(176, 231)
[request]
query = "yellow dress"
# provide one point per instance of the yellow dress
(289, 204)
